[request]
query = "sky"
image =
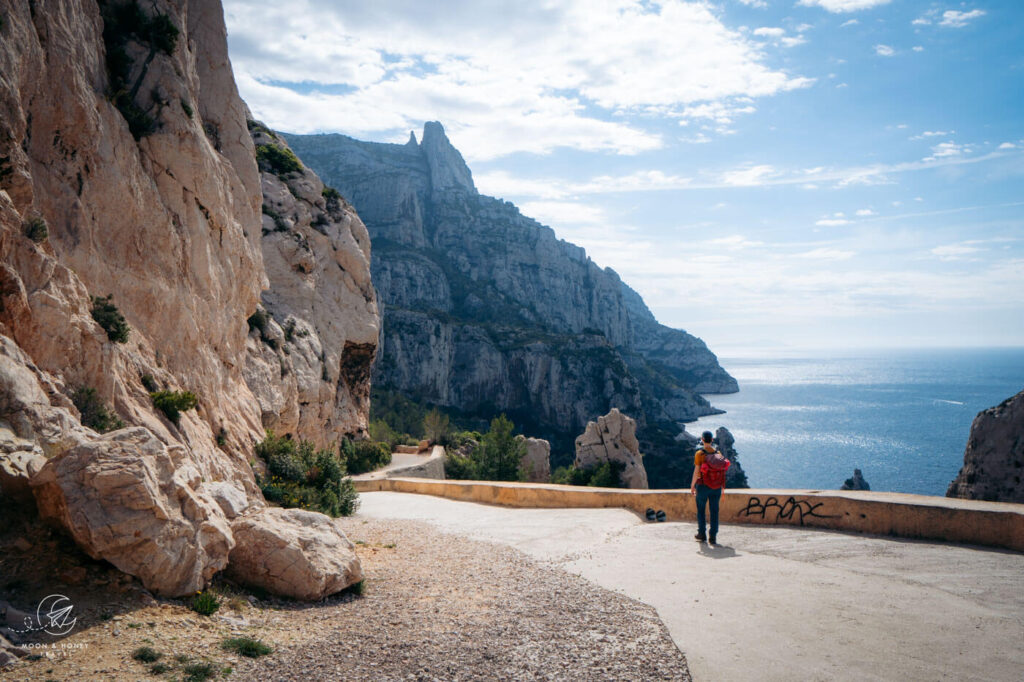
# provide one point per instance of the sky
(771, 175)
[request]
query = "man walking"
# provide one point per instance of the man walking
(709, 467)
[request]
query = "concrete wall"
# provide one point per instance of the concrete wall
(996, 524)
(432, 468)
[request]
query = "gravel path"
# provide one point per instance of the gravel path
(441, 607)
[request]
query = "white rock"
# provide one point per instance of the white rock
(612, 439)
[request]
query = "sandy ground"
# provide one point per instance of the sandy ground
(775, 603)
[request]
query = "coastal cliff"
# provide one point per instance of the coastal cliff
(485, 310)
(994, 457)
(134, 251)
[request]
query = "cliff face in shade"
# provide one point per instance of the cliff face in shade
(994, 457)
(486, 310)
(164, 214)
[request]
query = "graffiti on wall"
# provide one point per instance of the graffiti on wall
(784, 511)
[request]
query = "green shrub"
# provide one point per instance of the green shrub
(436, 426)
(246, 646)
(459, 468)
(36, 230)
(605, 475)
(499, 453)
(358, 589)
(279, 223)
(381, 432)
(199, 672)
(110, 318)
(173, 403)
(146, 654)
(187, 108)
(278, 160)
(149, 383)
(95, 414)
(301, 476)
(365, 455)
(205, 603)
(330, 194)
(159, 668)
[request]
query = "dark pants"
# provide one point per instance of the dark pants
(711, 497)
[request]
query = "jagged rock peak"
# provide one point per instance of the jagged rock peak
(857, 482)
(412, 140)
(994, 457)
(448, 170)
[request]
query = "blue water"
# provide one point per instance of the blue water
(901, 417)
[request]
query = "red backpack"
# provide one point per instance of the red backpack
(712, 470)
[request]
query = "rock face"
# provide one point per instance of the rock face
(612, 438)
(309, 360)
(536, 461)
(133, 501)
(994, 457)
(127, 169)
(293, 552)
(724, 441)
(487, 311)
(857, 482)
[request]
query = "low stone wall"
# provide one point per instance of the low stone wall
(994, 524)
(432, 468)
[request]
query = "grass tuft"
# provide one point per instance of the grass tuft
(246, 646)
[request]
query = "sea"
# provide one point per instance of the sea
(900, 416)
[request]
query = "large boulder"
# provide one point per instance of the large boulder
(612, 438)
(536, 459)
(293, 553)
(129, 499)
(994, 457)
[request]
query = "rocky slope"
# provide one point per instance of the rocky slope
(994, 457)
(485, 310)
(127, 169)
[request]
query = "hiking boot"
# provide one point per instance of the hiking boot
(700, 537)
(712, 540)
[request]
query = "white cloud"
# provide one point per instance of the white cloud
(884, 51)
(952, 18)
(843, 5)
(563, 212)
(917, 48)
(933, 133)
(546, 75)
(735, 242)
(865, 212)
(832, 222)
(921, 21)
(954, 251)
(801, 28)
(1007, 145)
(849, 22)
(759, 4)
(770, 31)
(826, 254)
(948, 149)
(749, 176)
(793, 41)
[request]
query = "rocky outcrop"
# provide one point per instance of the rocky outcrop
(127, 171)
(725, 442)
(857, 482)
(293, 552)
(612, 438)
(129, 499)
(487, 311)
(311, 344)
(994, 457)
(536, 459)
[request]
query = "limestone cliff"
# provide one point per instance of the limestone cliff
(994, 457)
(486, 310)
(127, 169)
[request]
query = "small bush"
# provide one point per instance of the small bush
(357, 589)
(365, 455)
(258, 320)
(187, 108)
(205, 603)
(382, 432)
(146, 654)
(173, 403)
(301, 476)
(149, 383)
(199, 672)
(606, 475)
(246, 646)
(436, 426)
(280, 225)
(36, 230)
(278, 160)
(222, 437)
(459, 468)
(330, 193)
(159, 668)
(95, 414)
(110, 318)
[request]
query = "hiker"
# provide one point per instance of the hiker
(709, 467)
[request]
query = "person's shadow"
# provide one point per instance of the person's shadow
(717, 551)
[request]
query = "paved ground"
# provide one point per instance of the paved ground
(776, 603)
(399, 460)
